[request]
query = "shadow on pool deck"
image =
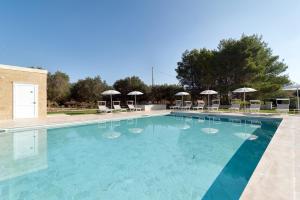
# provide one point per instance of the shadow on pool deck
(234, 177)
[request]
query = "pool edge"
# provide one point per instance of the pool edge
(275, 175)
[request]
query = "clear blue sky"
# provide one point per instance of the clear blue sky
(115, 39)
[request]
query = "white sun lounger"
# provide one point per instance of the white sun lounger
(254, 106)
(117, 107)
(102, 107)
(200, 105)
(131, 107)
(215, 105)
(187, 106)
(284, 106)
(177, 105)
(235, 107)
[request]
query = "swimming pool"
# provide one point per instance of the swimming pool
(161, 157)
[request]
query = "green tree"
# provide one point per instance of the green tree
(129, 84)
(89, 89)
(196, 71)
(161, 93)
(236, 63)
(58, 87)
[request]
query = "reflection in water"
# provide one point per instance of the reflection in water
(111, 133)
(236, 122)
(183, 123)
(255, 123)
(22, 153)
(247, 134)
(134, 128)
(210, 130)
(25, 144)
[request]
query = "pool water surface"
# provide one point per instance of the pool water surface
(161, 157)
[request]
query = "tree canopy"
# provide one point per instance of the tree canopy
(165, 92)
(89, 89)
(58, 86)
(247, 61)
(129, 84)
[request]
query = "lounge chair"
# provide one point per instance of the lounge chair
(254, 106)
(102, 107)
(200, 105)
(284, 106)
(215, 105)
(177, 105)
(131, 107)
(235, 107)
(117, 107)
(187, 105)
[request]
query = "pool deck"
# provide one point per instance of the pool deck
(277, 175)
(55, 120)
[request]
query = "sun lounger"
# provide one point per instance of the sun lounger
(200, 105)
(283, 105)
(235, 107)
(254, 106)
(177, 105)
(102, 107)
(215, 105)
(131, 107)
(117, 107)
(187, 105)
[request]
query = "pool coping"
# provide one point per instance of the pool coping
(277, 174)
(81, 122)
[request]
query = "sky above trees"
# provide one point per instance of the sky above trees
(115, 39)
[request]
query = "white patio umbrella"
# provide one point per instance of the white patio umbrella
(244, 90)
(294, 87)
(110, 92)
(182, 94)
(208, 92)
(135, 93)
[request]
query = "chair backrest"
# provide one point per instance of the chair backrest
(188, 103)
(200, 103)
(116, 102)
(101, 103)
(283, 106)
(117, 107)
(129, 102)
(178, 102)
(255, 104)
(215, 103)
(130, 106)
(235, 106)
(101, 107)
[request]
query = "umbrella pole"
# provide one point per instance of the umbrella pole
(135, 100)
(244, 101)
(208, 100)
(298, 97)
(111, 106)
(182, 100)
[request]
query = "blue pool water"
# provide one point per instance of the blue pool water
(162, 157)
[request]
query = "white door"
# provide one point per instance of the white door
(25, 98)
